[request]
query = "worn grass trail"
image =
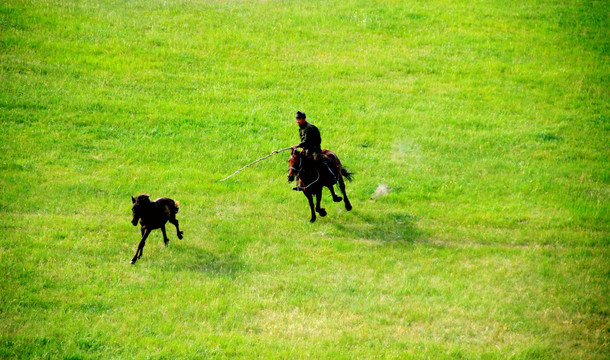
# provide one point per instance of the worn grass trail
(487, 123)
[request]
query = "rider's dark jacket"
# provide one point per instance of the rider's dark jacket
(310, 139)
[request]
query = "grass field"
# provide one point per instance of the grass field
(488, 121)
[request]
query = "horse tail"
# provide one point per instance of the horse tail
(346, 174)
(176, 206)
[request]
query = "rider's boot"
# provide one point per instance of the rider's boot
(332, 176)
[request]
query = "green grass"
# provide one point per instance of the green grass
(489, 121)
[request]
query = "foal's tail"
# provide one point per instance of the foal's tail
(346, 174)
(176, 206)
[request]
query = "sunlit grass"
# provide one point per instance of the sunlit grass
(486, 122)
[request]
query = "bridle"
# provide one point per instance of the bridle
(298, 171)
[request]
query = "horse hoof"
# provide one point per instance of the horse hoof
(322, 212)
(132, 262)
(337, 199)
(180, 235)
(312, 220)
(348, 207)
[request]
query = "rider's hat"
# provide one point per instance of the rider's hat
(301, 115)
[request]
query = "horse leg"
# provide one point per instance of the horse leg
(337, 169)
(348, 205)
(165, 239)
(140, 246)
(320, 211)
(174, 221)
(332, 192)
(310, 199)
(139, 250)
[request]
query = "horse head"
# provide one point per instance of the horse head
(139, 203)
(294, 163)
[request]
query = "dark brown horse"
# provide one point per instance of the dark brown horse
(153, 215)
(311, 179)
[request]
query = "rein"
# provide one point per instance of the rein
(299, 172)
(315, 181)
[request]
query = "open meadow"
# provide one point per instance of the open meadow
(478, 132)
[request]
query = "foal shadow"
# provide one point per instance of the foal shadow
(188, 257)
(380, 225)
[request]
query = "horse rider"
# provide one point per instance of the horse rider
(310, 143)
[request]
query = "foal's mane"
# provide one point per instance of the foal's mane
(143, 198)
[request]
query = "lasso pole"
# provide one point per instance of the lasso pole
(254, 162)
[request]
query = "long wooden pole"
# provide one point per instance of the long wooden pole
(254, 162)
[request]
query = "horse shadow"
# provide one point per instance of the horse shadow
(379, 225)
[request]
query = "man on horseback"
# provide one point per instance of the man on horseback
(312, 150)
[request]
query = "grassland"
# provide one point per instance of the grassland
(488, 121)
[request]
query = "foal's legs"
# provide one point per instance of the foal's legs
(174, 221)
(140, 246)
(165, 239)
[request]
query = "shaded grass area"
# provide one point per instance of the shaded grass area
(486, 121)
(276, 297)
